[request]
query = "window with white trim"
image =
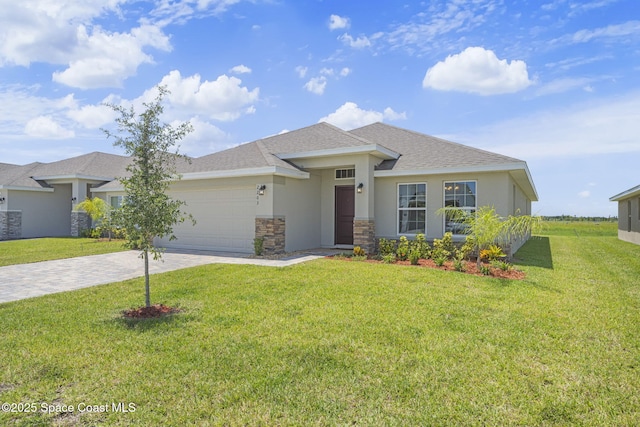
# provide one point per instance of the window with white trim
(345, 173)
(412, 208)
(459, 196)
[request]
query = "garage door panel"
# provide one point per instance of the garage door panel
(225, 220)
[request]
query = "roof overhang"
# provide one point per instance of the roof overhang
(233, 173)
(372, 149)
(72, 176)
(25, 188)
(632, 192)
(519, 171)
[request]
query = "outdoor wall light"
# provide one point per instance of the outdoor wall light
(359, 188)
(73, 199)
(260, 189)
(2, 200)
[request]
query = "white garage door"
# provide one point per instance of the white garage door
(225, 220)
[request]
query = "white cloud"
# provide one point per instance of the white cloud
(350, 116)
(55, 32)
(93, 116)
(358, 43)
(302, 71)
(441, 27)
(240, 69)
(626, 29)
(316, 85)
(564, 85)
(205, 138)
(604, 126)
(338, 22)
(106, 59)
(45, 30)
(477, 70)
(45, 127)
(345, 72)
(223, 99)
(584, 194)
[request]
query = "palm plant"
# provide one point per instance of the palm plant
(485, 227)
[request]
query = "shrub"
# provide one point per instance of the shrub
(443, 248)
(414, 256)
(421, 246)
(403, 249)
(389, 258)
(439, 260)
(359, 252)
(386, 246)
(359, 257)
(485, 269)
(458, 264)
(502, 265)
(492, 253)
(258, 245)
(467, 248)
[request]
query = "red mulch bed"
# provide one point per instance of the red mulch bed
(154, 311)
(470, 268)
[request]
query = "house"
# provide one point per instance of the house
(37, 200)
(320, 186)
(628, 214)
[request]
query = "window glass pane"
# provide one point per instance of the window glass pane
(412, 202)
(459, 195)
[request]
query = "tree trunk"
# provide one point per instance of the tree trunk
(146, 279)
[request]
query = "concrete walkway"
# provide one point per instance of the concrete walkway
(41, 278)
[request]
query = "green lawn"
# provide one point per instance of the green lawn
(34, 250)
(342, 343)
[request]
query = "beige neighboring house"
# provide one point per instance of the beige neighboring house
(38, 199)
(628, 214)
(316, 187)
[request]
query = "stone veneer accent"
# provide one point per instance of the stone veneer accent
(80, 221)
(272, 231)
(10, 225)
(364, 234)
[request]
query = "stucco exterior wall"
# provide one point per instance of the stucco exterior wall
(299, 201)
(44, 214)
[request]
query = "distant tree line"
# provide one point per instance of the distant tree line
(580, 218)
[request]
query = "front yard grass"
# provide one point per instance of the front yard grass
(340, 343)
(46, 249)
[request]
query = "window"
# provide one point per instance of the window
(412, 208)
(459, 195)
(115, 201)
(345, 173)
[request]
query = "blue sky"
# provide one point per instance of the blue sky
(555, 83)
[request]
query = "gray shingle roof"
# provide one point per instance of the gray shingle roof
(420, 151)
(94, 164)
(98, 165)
(263, 152)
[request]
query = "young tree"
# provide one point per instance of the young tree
(148, 211)
(486, 227)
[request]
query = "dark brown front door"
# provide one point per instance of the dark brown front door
(345, 211)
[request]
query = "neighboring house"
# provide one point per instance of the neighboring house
(320, 186)
(628, 214)
(37, 199)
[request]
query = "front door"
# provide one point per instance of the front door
(345, 211)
